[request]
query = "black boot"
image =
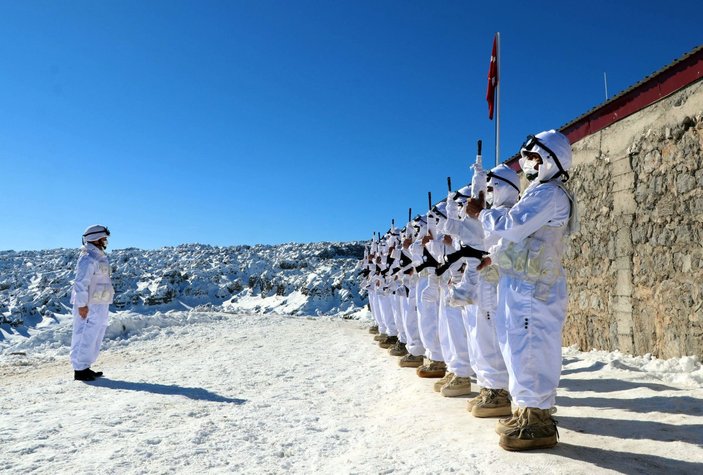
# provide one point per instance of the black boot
(83, 375)
(97, 374)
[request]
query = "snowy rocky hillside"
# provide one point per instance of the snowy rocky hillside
(295, 279)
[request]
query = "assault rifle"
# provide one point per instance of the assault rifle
(429, 261)
(389, 264)
(464, 251)
(405, 261)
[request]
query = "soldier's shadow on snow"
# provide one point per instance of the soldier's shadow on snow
(635, 430)
(625, 462)
(199, 394)
(669, 404)
(610, 385)
(596, 366)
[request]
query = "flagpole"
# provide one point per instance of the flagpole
(498, 98)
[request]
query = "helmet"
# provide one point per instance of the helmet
(555, 150)
(505, 184)
(420, 226)
(462, 195)
(95, 233)
(440, 210)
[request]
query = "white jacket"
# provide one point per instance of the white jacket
(93, 284)
(531, 235)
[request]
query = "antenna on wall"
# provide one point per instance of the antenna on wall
(605, 82)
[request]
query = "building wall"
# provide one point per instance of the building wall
(635, 268)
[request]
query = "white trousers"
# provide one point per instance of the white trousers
(397, 301)
(87, 336)
(386, 306)
(427, 298)
(376, 311)
(486, 359)
(410, 319)
(529, 335)
(453, 337)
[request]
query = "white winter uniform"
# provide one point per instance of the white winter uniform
(432, 330)
(407, 331)
(486, 357)
(453, 334)
(469, 233)
(384, 295)
(423, 314)
(434, 295)
(410, 319)
(532, 295)
(373, 302)
(385, 306)
(93, 288)
(452, 330)
(397, 302)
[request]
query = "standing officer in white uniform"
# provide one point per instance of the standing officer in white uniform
(91, 296)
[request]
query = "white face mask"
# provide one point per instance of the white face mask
(462, 211)
(489, 198)
(529, 168)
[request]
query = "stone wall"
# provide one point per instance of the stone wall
(635, 268)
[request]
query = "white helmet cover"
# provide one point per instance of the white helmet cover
(95, 233)
(555, 150)
(506, 185)
(462, 195)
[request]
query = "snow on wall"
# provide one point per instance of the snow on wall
(295, 279)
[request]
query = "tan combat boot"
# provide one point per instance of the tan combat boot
(432, 369)
(388, 342)
(508, 424)
(398, 349)
(380, 337)
(535, 430)
(458, 386)
(410, 361)
(473, 401)
(373, 329)
(495, 403)
(445, 379)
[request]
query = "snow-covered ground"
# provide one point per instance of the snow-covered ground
(213, 392)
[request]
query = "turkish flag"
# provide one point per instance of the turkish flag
(492, 78)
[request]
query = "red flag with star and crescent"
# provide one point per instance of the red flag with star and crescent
(492, 78)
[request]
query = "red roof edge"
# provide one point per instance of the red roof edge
(668, 80)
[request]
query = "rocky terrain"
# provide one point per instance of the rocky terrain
(295, 279)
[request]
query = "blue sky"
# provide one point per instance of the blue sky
(243, 122)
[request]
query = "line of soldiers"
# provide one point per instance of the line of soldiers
(475, 288)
